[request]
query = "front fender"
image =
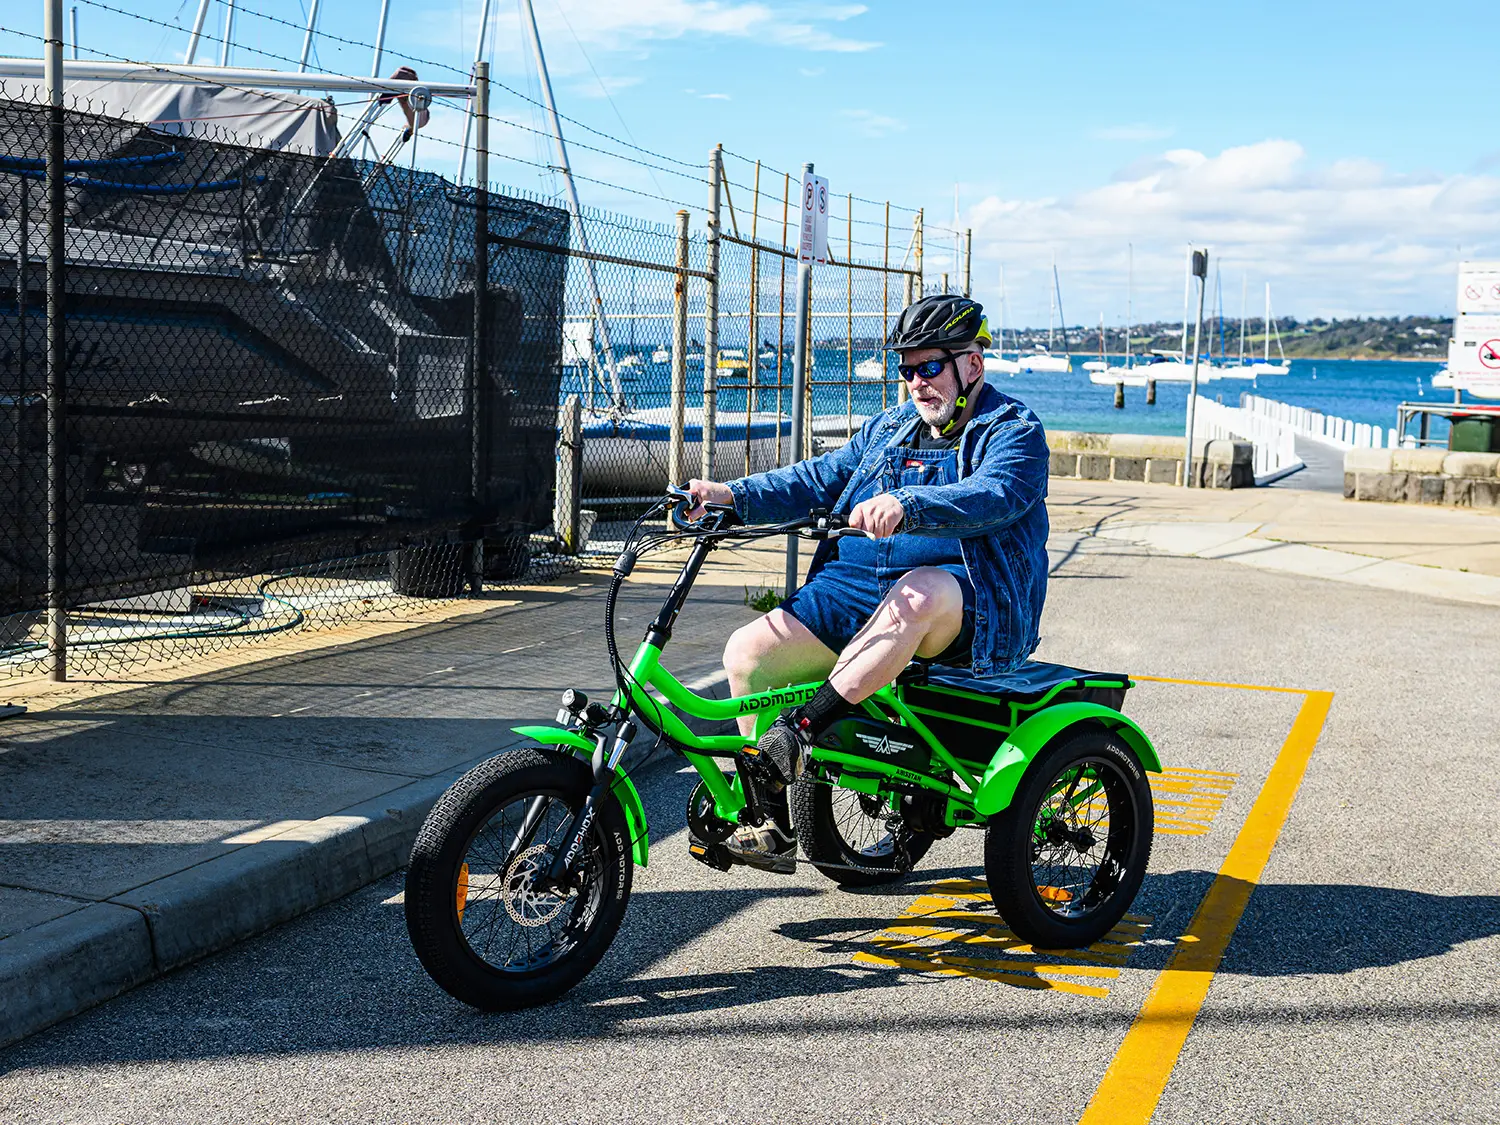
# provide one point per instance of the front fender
(623, 788)
(998, 785)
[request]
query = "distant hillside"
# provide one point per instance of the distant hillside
(1396, 337)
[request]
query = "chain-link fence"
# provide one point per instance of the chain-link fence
(284, 402)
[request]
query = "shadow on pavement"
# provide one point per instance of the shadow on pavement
(346, 980)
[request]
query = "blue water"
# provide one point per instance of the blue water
(1359, 390)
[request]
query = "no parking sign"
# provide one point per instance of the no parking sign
(1475, 347)
(1478, 288)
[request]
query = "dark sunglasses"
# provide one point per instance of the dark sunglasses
(929, 370)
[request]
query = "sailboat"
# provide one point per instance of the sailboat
(1101, 374)
(1042, 359)
(1265, 366)
(995, 362)
(871, 368)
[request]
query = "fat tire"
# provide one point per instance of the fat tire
(443, 841)
(1007, 845)
(817, 831)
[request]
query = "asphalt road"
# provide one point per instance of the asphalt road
(1360, 984)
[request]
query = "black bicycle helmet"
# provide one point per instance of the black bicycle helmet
(945, 321)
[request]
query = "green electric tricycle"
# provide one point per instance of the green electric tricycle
(519, 877)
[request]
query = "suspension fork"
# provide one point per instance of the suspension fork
(559, 873)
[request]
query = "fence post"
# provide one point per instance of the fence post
(968, 260)
(57, 358)
(479, 352)
(676, 443)
(799, 388)
(711, 314)
(566, 509)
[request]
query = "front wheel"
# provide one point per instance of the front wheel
(852, 837)
(482, 926)
(1065, 860)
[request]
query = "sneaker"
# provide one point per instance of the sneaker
(778, 755)
(766, 846)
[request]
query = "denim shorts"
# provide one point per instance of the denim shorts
(840, 598)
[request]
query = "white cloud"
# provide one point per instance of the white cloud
(1343, 238)
(613, 25)
(811, 71)
(606, 85)
(1136, 132)
(872, 124)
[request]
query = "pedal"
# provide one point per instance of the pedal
(716, 856)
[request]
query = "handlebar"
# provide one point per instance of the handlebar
(816, 525)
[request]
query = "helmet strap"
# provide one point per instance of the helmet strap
(961, 403)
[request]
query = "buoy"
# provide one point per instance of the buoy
(1119, 396)
(1150, 392)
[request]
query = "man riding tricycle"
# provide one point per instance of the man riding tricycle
(886, 704)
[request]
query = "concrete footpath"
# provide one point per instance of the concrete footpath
(143, 829)
(145, 826)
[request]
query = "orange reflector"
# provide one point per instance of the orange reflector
(1055, 894)
(461, 897)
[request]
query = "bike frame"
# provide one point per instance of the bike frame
(986, 787)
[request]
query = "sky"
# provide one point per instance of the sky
(1344, 153)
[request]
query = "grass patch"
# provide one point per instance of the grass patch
(764, 600)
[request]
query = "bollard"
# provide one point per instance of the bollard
(566, 516)
(1119, 396)
(1150, 392)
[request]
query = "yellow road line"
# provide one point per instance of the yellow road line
(1216, 683)
(1136, 1078)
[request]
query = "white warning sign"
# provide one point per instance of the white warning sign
(812, 242)
(1478, 288)
(1475, 347)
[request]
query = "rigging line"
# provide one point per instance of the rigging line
(357, 43)
(602, 88)
(494, 84)
(553, 168)
(455, 104)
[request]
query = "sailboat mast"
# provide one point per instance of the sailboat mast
(567, 174)
(1052, 306)
(1219, 300)
(1187, 282)
(1244, 291)
(1062, 319)
(1268, 322)
(307, 37)
(224, 51)
(197, 33)
(1129, 293)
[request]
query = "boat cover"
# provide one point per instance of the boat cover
(262, 119)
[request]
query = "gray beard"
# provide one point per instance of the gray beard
(939, 417)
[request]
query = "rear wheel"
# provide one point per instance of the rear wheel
(851, 837)
(1065, 860)
(480, 920)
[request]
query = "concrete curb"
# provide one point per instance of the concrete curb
(70, 964)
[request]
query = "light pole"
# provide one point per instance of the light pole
(1200, 271)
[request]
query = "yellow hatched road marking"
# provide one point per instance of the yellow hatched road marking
(1136, 1078)
(912, 943)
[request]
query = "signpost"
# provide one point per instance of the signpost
(812, 246)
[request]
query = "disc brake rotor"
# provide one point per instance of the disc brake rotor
(523, 903)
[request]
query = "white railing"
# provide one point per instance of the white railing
(1275, 441)
(1326, 428)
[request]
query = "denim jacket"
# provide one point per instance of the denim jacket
(995, 509)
